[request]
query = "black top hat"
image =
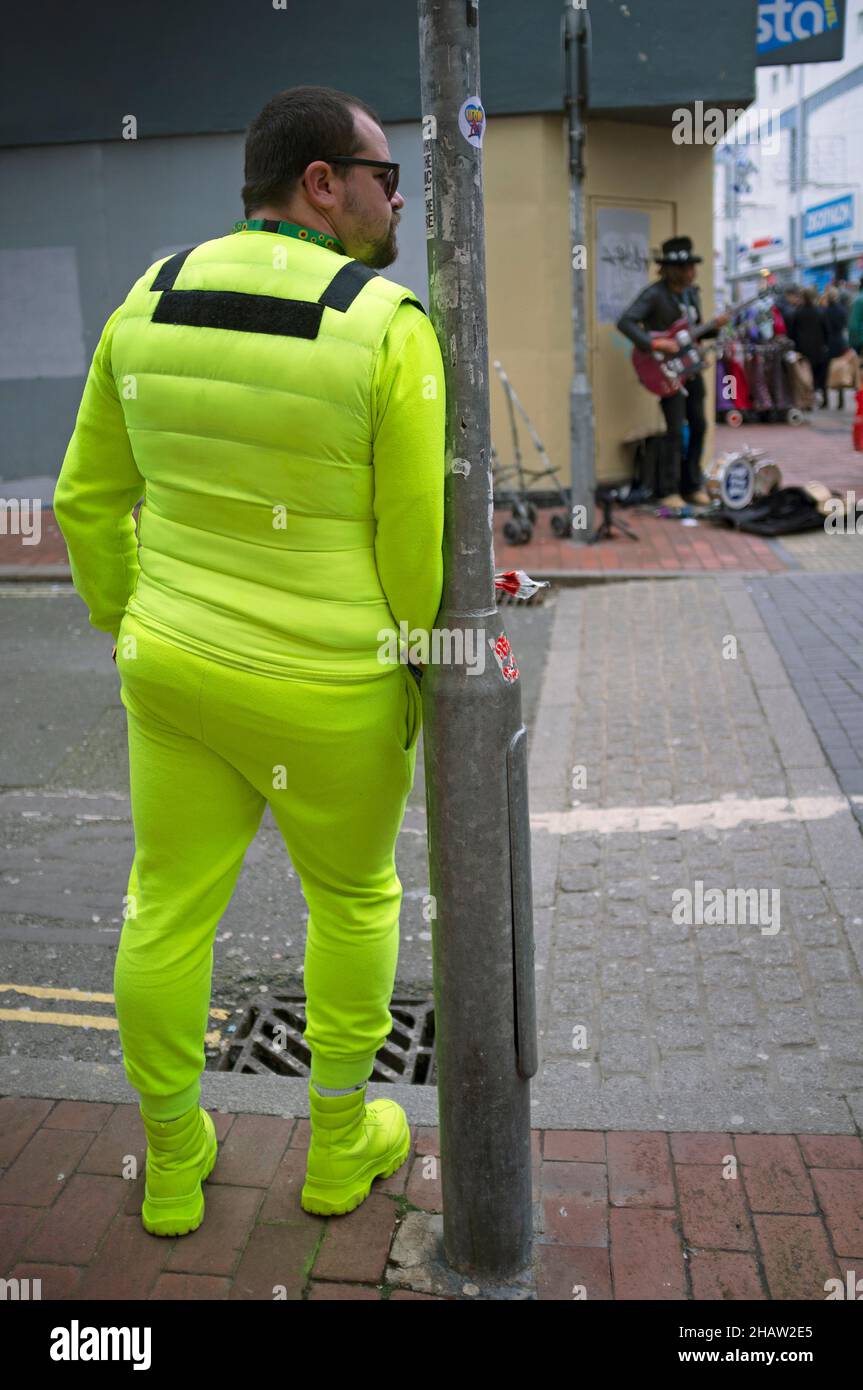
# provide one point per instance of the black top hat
(677, 251)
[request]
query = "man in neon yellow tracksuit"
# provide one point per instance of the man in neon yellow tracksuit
(280, 407)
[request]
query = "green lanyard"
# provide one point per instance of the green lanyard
(266, 224)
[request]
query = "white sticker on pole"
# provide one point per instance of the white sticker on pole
(429, 134)
(471, 121)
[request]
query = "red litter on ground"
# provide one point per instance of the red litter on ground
(518, 583)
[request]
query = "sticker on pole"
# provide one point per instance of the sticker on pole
(471, 121)
(428, 190)
(505, 657)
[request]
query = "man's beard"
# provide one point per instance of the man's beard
(383, 250)
(387, 250)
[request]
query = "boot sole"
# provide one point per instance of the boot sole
(314, 1199)
(178, 1224)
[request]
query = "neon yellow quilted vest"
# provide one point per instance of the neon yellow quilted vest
(245, 366)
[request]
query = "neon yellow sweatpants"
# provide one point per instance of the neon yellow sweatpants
(209, 746)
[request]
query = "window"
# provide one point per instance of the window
(775, 83)
(860, 21)
(788, 75)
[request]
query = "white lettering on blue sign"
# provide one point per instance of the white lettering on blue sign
(781, 22)
(826, 218)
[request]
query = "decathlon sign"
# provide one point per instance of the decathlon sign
(828, 218)
(800, 31)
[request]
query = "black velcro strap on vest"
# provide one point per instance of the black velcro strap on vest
(170, 270)
(346, 285)
(244, 313)
(255, 313)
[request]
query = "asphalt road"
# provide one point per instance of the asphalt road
(67, 842)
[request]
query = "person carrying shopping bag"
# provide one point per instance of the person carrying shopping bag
(269, 394)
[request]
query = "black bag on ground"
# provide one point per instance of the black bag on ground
(654, 467)
(782, 511)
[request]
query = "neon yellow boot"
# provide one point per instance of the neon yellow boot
(180, 1155)
(352, 1144)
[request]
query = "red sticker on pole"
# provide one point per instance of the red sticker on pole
(504, 656)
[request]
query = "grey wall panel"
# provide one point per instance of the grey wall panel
(36, 420)
(41, 330)
(116, 208)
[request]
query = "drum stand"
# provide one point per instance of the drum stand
(606, 497)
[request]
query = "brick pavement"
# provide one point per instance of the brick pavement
(820, 449)
(624, 1216)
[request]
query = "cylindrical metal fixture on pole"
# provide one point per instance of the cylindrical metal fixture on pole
(475, 743)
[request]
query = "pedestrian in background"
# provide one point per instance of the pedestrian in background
(809, 333)
(855, 322)
(836, 320)
(788, 301)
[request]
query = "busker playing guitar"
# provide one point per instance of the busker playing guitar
(673, 296)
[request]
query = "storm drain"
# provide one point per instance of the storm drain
(508, 600)
(270, 1039)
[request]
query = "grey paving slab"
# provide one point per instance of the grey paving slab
(815, 622)
(652, 1022)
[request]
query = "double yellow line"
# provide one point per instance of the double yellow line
(75, 1020)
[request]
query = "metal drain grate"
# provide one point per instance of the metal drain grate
(508, 600)
(270, 1039)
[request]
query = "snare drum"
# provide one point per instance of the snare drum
(767, 477)
(735, 478)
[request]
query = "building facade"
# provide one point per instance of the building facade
(790, 200)
(92, 197)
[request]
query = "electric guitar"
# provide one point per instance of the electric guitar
(665, 375)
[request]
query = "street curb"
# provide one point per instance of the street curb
(549, 774)
(40, 572)
(564, 578)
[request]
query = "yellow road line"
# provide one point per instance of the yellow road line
(103, 1021)
(51, 992)
(62, 1020)
(88, 996)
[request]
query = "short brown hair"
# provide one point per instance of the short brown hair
(295, 128)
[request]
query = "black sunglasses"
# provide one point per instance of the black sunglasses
(391, 182)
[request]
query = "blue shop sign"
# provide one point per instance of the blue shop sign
(826, 218)
(800, 31)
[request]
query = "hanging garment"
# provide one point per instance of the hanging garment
(733, 366)
(777, 381)
(755, 376)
